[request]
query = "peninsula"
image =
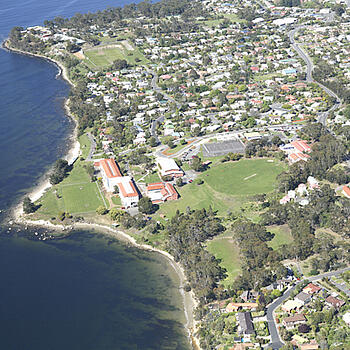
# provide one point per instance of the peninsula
(218, 134)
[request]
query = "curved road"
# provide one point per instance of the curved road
(309, 68)
(276, 341)
(157, 89)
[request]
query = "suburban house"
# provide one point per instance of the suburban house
(334, 302)
(236, 306)
(292, 305)
(311, 289)
(245, 323)
(160, 192)
(168, 167)
(303, 297)
(112, 177)
(292, 321)
(346, 191)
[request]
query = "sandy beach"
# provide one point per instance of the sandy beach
(189, 300)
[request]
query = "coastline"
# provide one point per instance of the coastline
(189, 300)
(74, 150)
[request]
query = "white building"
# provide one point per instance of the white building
(112, 177)
(168, 167)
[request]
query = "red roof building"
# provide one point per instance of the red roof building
(346, 191)
(160, 192)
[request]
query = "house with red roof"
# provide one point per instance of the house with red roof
(346, 191)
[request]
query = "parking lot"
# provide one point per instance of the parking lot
(222, 148)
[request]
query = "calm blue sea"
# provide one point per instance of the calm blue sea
(87, 291)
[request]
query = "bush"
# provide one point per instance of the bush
(101, 210)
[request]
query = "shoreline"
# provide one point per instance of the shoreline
(189, 300)
(73, 151)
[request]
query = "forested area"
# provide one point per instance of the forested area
(187, 233)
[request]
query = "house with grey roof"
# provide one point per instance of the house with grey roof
(245, 323)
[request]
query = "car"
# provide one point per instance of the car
(190, 181)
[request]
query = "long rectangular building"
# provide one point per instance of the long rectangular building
(112, 177)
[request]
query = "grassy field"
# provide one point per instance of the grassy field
(282, 236)
(75, 194)
(246, 177)
(226, 186)
(84, 145)
(104, 56)
(225, 248)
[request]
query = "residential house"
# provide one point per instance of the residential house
(245, 323)
(236, 306)
(303, 298)
(346, 191)
(292, 321)
(311, 289)
(334, 302)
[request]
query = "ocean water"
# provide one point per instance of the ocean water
(87, 291)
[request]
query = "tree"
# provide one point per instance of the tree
(152, 141)
(28, 206)
(101, 210)
(146, 206)
(116, 189)
(116, 214)
(304, 328)
(196, 164)
(179, 182)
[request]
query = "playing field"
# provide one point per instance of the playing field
(76, 194)
(104, 56)
(226, 186)
(245, 177)
(225, 248)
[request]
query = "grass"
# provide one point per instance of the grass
(177, 148)
(116, 200)
(151, 178)
(282, 236)
(84, 145)
(198, 197)
(245, 177)
(76, 194)
(225, 249)
(224, 187)
(104, 57)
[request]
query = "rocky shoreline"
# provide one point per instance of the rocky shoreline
(189, 300)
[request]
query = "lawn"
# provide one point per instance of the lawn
(225, 248)
(151, 178)
(104, 56)
(226, 186)
(245, 177)
(282, 236)
(75, 194)
(198, 197)
(84, 145)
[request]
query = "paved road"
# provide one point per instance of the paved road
(156, 88)
(276, 341)
(309, 68)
